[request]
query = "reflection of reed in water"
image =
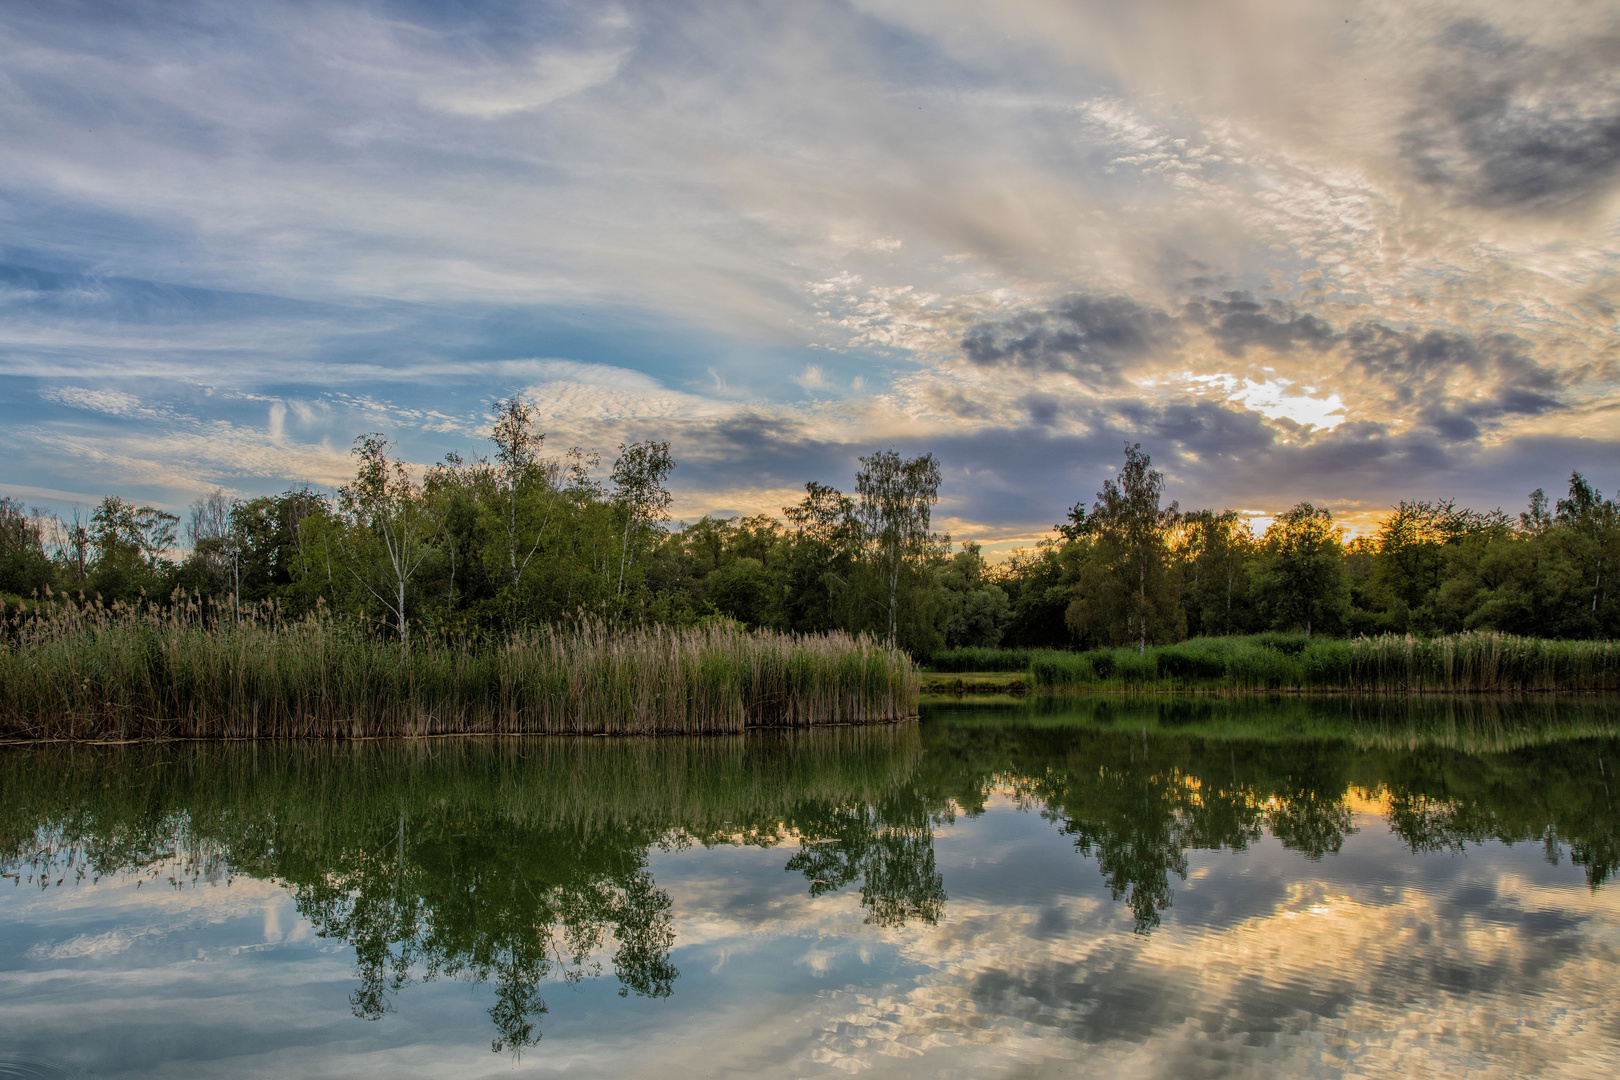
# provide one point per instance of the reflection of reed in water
(1477, 723)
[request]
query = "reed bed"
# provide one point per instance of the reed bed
(85, 672)
(978, 659)
(1477, 662)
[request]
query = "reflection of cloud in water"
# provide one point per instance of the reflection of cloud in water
(1372, 963)
(1334, 978)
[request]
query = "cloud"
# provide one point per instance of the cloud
(1093, 339)
(1457, 380)
(1507, 124)
(1239, 321)
(783, 236)
(548, 77)
(111, 402)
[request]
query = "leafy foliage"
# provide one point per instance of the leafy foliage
(478, 549)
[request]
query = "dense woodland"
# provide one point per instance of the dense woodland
(487, 545)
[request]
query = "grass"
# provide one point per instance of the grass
(1457, 663)
(88, 672)
(993, 682)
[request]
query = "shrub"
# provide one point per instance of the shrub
(1287, 644)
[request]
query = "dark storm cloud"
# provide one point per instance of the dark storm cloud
(1092, 338)
(756, 450)
(1504, 124)
(1240, 321)
(1417, 366)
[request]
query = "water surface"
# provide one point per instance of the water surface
(1099, 887)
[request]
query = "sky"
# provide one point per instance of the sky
(1348, 252)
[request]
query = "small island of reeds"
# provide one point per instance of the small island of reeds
(90, 672)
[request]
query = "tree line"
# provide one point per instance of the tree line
(517, 537)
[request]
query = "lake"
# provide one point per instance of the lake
(1104, 886)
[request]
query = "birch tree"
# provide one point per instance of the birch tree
(211, 534)
(390, 527)
(520, 475)
(895, 500)
(639, 492)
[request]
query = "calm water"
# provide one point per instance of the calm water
(1159, 889)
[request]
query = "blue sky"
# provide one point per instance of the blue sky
(1353, 253)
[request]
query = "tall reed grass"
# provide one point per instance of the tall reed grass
(87, 672)
(973, 658)
(1468, 663)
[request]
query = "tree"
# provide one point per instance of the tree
(156, 532)
(896, 499)
(1126, 581)
(1589, 533)
(1034, 582)
(74, 548)
(639, 492)
(129, 543)
(1536, 520)
(213, 540)
(519, 473)
(1219, 548)
(1414, 553)
(1301, 578)
(820, 556)
(979, 607)
(389, 526)
(24, 566)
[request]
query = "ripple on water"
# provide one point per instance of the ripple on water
(21, 1069)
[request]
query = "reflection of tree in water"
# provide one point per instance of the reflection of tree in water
(490, 901)
(887, 846)
(522, 863)
(513, 867)
(1557, 795)
(1139, 804)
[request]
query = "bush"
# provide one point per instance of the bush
(1470, 662)
(1329, 665)
(1277, 641)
